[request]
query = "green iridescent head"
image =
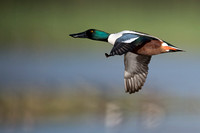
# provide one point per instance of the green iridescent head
(92, 34)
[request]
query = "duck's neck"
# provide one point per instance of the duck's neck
(100, 36)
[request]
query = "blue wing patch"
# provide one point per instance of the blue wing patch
(120, 46)
(125, 37)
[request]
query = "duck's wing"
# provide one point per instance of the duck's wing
(125, 44)
(136, 70)
(121, 48)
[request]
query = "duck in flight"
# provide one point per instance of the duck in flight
(137, 48)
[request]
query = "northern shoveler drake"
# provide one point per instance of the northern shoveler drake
(137, 48)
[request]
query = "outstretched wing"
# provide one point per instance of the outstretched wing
(128, 43)
(121, 48)
(136, 70)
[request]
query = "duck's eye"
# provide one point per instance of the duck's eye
(91, 31)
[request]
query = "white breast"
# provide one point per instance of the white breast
(113, 37)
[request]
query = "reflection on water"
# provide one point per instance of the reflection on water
(152, 115)
(113, 117)
(59, 92)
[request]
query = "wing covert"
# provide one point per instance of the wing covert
(123, 46)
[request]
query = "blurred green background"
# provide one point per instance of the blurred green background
(51, 82)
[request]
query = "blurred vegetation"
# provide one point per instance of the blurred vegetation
(46, 24)
(32, 105)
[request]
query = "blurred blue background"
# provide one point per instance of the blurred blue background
(51, 82)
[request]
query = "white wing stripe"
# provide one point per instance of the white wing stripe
(130, 40)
